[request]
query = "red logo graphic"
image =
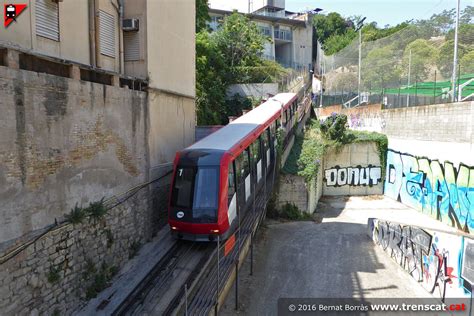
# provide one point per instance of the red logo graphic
(12, 11)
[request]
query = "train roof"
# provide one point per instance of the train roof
(233, 133)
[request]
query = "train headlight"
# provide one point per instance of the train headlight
(174, 227)
(214, 230)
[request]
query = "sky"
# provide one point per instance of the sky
(383, 12)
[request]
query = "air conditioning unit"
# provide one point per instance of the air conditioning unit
(130, 25)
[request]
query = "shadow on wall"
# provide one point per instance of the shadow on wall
(439, 261)
(441, 191)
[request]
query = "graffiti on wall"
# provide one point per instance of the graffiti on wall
(433, 259)
(353, 176)
(442, 191)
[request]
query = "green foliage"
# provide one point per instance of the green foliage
(423, 55)
(371, 32)
(467, 63)
(232, 54)
(96, 210)
(76, 216)
(445, 57)
(379, 67)
(53, 276)
(292, 212)
(338, 41)
(134, 248)
(202, 15)
(334, 127)
(465, 35)
(101, 280)
(332, 31)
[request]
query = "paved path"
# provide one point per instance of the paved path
(332, 259)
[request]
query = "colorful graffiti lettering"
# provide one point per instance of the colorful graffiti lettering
(432, 259)
(353, 176)
(442, 191)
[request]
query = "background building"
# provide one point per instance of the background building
(291, 33)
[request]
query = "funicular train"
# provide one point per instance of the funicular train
(219, 175)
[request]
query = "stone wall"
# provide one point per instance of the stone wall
(67, 265)
(353, 169)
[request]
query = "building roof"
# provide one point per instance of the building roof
(262, 17)
(232, 134)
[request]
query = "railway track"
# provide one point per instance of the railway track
(163, 288)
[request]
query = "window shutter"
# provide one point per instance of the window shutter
(131, 43)
(47, 19)
(107, 33)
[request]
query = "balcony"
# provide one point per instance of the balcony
(283, 35)
(266, 31)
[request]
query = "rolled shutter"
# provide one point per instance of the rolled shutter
(47, 19)
(107, 33)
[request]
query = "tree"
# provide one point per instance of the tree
(467, 63)
(202, 15)
(465, 35)
(378, 68)
(423, 56)
(446, 56)
(230, 55)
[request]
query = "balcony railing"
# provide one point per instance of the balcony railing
(283, 35)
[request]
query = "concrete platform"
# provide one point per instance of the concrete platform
(332, 259)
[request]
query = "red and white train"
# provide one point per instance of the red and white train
(218, 176)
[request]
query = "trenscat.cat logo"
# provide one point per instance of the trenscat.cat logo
(11, 12)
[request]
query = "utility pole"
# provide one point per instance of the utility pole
(455, 59)
(409, 74)
(360, 63)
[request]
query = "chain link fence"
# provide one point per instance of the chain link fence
(411, 67)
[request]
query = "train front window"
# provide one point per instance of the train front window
(182, 195)
(205, 196)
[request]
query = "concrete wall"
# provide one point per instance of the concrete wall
(418, 251)
(302, 45)
(353, 170)
(438, 189)
(74, 42)
(429, 164)
(172, 122)
(172, 24)
(257, 90)
(64, 142)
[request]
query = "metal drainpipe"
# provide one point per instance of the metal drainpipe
(121, 12)
(97, 34)
(92, 33)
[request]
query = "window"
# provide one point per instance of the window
(47, 19)
(256, 150)
(182, 195)
(131, 44)
(107, 25)
(206, 188)
(231, 179)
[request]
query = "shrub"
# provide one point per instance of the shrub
(97, 210)
(76, 216)
(334, 127)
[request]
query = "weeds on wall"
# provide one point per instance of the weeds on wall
(100, 278)
(53, 276)
(96, 210)
(76, 216)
